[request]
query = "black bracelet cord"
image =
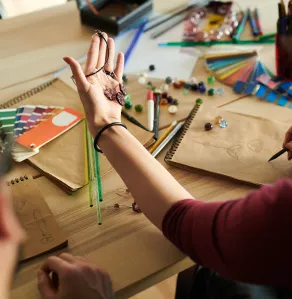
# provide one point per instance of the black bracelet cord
(96, 139)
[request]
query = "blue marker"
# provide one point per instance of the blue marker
(253, 24)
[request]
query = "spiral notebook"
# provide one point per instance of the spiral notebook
(241, 151)
(63, 159)
(42, 230)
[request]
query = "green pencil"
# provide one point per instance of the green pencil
(99, 184)
(212, 43)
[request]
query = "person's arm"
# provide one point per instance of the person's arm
(247, 240)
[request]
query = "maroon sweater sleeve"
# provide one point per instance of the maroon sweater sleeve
(248, 239)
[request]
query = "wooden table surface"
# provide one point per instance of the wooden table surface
(127, 245)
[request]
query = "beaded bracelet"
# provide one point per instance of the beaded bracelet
(102, 130)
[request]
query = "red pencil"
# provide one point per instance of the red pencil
(258, 22)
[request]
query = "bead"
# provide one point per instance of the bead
(223, 123)
(177, 84)
(194, 87)
(187, 85)
(116, 206)
(149, 83)
(211, 92)
(175, 102)
(128, 104)
(152, 67)
(128, 97)
(201, 84)
(125, 78)
(164, 95)
(185, 92)
(153, 88)
(208, 126)
(199, 101)
(218, 119)
(165, 87)
(211, 80)
(172, 109)
(136, 208)
(157, 90)
(142, 80)
(138, 108)
(163, 102)
(202, 89)
(169, 99)
(120, 98)
(220, 91)
(123, 89)
(168, 80)
(145, 75)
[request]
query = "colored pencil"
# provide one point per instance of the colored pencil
(87, 164)
(241, 26)
(134, 43)
(212, 43)
(278, 154)
(157, 115)
(258, 22)
(253, 23)
(99, 184)
(167, 139)
(161, 138)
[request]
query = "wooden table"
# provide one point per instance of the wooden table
(127, 245)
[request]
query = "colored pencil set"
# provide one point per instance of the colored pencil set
(284, 35)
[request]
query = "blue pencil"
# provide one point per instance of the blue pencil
(134, 42)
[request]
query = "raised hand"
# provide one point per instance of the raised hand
(98, 108)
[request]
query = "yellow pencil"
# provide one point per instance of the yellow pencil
(163, 136)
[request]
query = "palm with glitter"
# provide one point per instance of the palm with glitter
(99, 110)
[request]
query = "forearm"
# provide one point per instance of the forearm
(152, 186)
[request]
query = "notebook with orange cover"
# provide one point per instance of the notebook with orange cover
(63, 159)
(42, 230)
(241, 151)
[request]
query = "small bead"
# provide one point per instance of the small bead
(164, 95)
(177, 84)
(208, 126)
(172, 109)
(187, 85)
(169, 99)
(185, 92)
(175, 102)
(218, 119)
(168, 80)
(211, 92)
(116, 206)
(199, 101)
(223, 123)
(157, 90)
(153, 88)
(202, 89)
(220, 91)
(128, 97)
(145, 75)
(139, 108)
(163, 102)
(211, 80)
(194, 87)
(125, 78)
(152, 67)
(142, 80)
(128, 104)
(201, 84)
(149, 83)
(165, 87)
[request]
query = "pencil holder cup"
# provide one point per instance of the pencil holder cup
(284, 57)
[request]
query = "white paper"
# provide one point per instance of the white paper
(168, 61)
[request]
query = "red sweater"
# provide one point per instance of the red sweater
(249, 240)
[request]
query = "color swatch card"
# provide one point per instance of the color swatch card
(47, 129)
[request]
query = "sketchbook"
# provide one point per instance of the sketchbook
(240, 151)
(42, 230)
(63, 159)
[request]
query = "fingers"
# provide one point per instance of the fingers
(102, 51)
(288, 137)
(110, 66)
(55, 264)
(82, 84)
(92, 55)
(45, 286)
(119, 70)
(67, 257)
(289, 156)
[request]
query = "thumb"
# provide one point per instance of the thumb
(45, 285)
(289, 146)
(81, 81)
